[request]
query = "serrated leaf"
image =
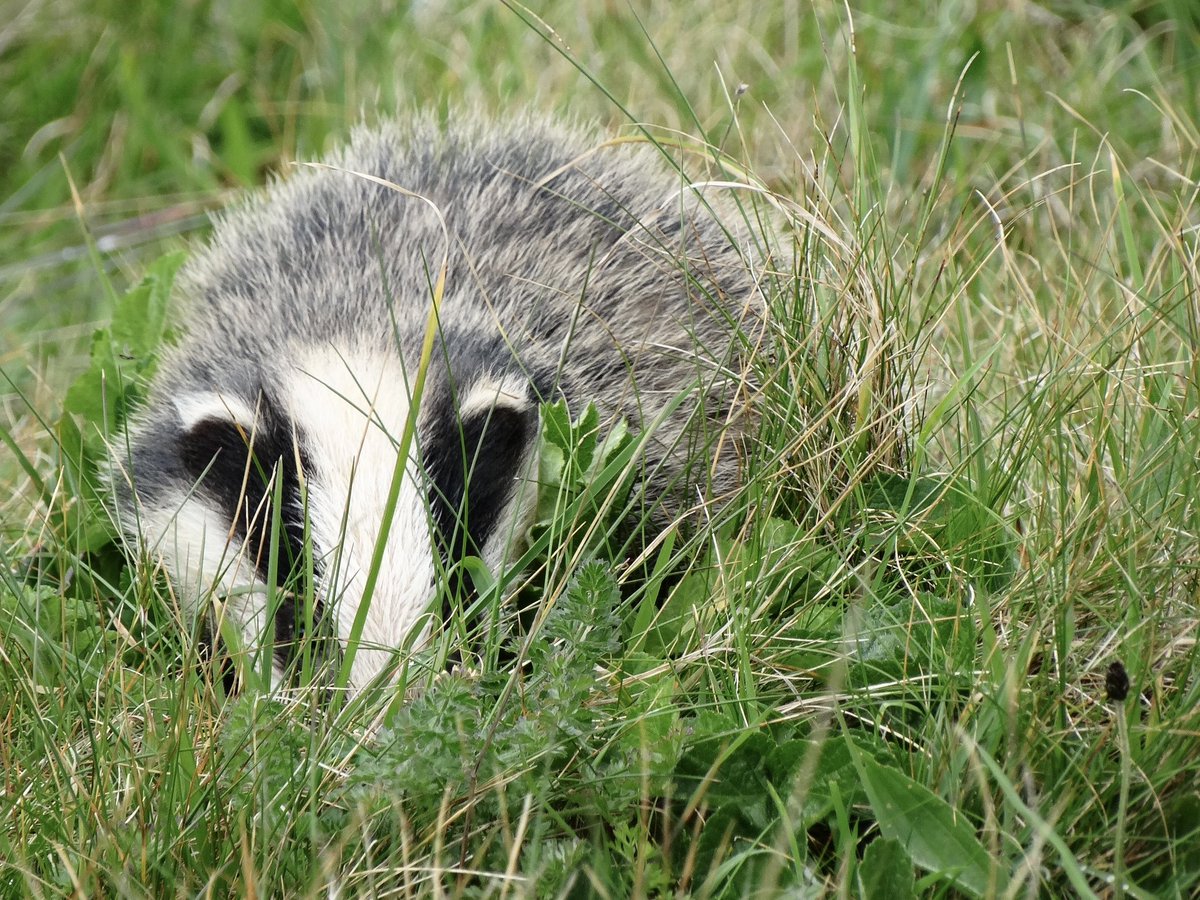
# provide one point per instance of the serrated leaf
(583, 619)
(834, 766)
(942, 518)
(731, 772)
(587, 432)
(88, 396)
(721, 829)
(927, 827)
(124, 352)
(653, 736)
(556, 425)
(140, 317)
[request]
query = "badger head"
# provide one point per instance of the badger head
(324, 438)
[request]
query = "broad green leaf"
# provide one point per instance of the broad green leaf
(125, 351)
(140, 318)
(92, 396)
(886, 872)
(833, 766)
(587, 430)
(927, 827)
(552, 461)
(941, 518)
(721, 829)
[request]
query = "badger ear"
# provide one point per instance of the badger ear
(193, 408)
(496, 439)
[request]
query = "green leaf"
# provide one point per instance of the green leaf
(886, 872)
(941, 519)
(833, 766)
(140, 318)
(552, 463)
(556, 425)
(59, 640)
(721, 830)
(89, 397)
(674, 622)
(652, 736)
(731, 769)
(587, 431)
(123, 357)
(927, 827)
(583, 620)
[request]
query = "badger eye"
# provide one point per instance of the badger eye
(236, 466)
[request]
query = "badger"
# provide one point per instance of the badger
(547, 263)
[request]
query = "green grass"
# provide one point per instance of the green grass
(885, 674)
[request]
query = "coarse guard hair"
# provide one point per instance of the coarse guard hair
(574, 268)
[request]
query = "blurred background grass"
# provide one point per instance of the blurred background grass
(156, 111)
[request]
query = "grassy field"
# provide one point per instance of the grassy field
(945, 645)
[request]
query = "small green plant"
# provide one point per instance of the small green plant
(122, 359)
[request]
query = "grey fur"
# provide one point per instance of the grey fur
(588, 270)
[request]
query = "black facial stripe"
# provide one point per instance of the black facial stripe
(473, 465)
(222, 457)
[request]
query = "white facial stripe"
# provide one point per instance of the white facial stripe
(353, 407)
